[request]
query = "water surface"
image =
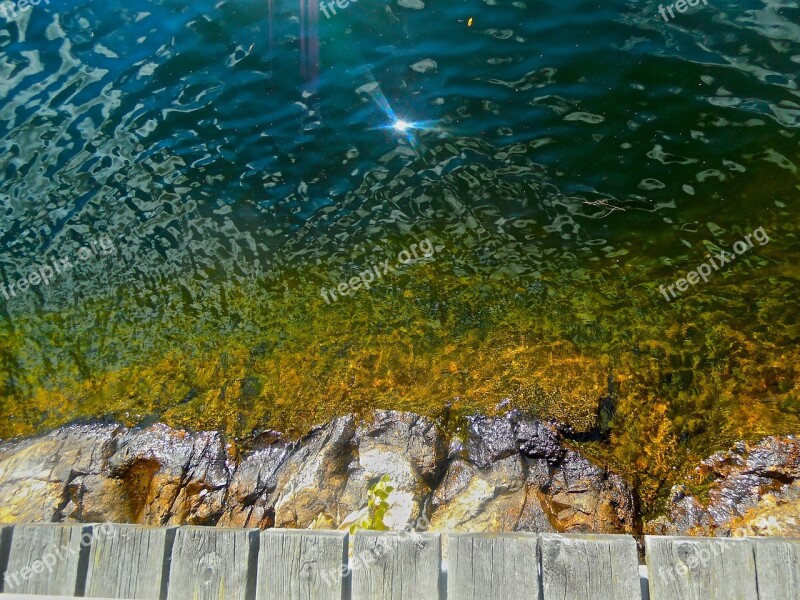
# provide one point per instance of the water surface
(569, 158)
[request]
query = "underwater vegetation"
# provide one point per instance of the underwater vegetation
(643, 385)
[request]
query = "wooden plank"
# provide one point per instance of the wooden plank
(484, 566)
(212, 563)
(395, 566)
(590, 567)
(48, 558)
(777, 567)
(5, 549)
(128, 561)
(682, 568)
(41, 597)
(301, 565)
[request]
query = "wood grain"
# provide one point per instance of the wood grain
(128, 561)
(212, 564)
(683, 568)
(48, 558)
(590, 567)
(395, 566)
(777, 567)
(483, 566)
(301, 565)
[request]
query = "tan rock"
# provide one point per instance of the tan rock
(38, 476)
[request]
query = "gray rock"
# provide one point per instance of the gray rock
(490, 439)
(537, 439)
(533, 494)
(474, 499)
(416, 438)
(582, 497)
(173, 477)
(407, 448)
(41, 478)
(310, 483)
(753, 490)
(247, 503)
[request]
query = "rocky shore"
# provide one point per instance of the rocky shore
(752, 489)
(509, 474)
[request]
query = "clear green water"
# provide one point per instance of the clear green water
(572, 158)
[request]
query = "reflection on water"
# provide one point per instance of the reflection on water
(566, 161)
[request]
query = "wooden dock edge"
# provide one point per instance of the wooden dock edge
(176, 563)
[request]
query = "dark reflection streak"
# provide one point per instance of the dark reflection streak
(269, 25)
(309, 40)
(313, 14)
(303, 53)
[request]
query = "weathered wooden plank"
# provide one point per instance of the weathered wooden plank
(700, 568)
(590, 567)
(777, 567)
(41, 597)
(484, 566)
(211, 563)
(48, 558)
(128, 561)
(395, 566)
(301, 565)
(5, 549)
(5, 596)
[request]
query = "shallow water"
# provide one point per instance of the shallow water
(221, 163)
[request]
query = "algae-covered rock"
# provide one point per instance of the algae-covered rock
(752, 489)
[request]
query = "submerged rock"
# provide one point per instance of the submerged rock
(510, 475)
(752, 489)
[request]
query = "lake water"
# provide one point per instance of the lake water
(519, 179)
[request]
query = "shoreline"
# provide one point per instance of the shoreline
(508, 474)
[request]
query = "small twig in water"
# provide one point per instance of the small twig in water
(604, 204)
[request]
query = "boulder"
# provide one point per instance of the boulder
(310, 482)
(581, 497)
(490, 439)
(172, 477)
(252, 484)
(752, 489)
(519, 475)
(325, 481)
(411, 451)
(494, 498)
(42, 479)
